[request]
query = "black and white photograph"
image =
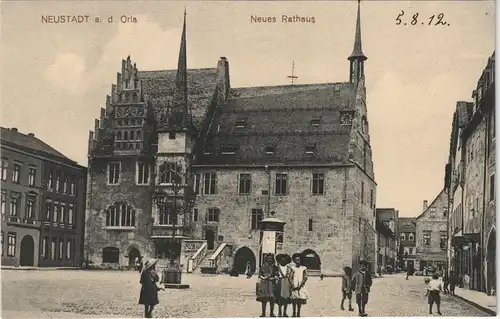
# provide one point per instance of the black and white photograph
(243, 159)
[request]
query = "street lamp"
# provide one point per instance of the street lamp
(170, 207)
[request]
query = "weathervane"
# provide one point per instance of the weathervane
(293, 77)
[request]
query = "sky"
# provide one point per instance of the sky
(55, 77)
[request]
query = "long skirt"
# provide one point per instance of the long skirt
(265, 290)
(283, 291)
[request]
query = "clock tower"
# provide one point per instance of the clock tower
(357, 58)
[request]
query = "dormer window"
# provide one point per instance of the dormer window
(315, 121)
(310, 148)
(269, 150)
(228, 149)
(240, 123)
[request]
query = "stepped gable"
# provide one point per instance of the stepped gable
(160, 86)
(31, 143)
(255, 120)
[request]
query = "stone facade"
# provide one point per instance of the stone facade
(471, 180)
(387, 222)
(309, 160)
(431, 233)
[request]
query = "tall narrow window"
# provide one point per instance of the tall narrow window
(257, 216)
(371, 197)
(45, 248)
(196, 184)
(142, 174)
(3, 203)
(195, 215)
(492, 187)
(72, 190)
(281, 184)
(11, 244)
(362, 192)
(60, 252)
(318, 184)
(69, 249)
(5, 165)
(121, 214)
(113, 173)
(245, 181)
(15, 203)
(58, 182)
(65, 185)
(50, 181)
(310, 224)
(53, 251)
(1, 243)
(70, 214)
(56, 212)
(30, 207)
(16, 173)
(48, 212)
(210, 180)
(31, 176)
(62, 213)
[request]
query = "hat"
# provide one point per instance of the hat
(150, 263)
(284, 256)
(297, 255)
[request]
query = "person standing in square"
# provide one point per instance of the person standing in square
(347, 288)
(361, 283)
(433, 292)
(299, 279)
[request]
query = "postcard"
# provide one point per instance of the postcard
(215, 159)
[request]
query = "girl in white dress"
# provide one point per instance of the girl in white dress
(299, 291)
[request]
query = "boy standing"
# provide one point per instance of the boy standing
(361, 283)
(346, 288)
(433, 293)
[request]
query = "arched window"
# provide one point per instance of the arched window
(119, 136)
(138, 135)
(125, 136)
(403, 236)
(168, 173)
(411, 237)
(132, 136)
(120, 215)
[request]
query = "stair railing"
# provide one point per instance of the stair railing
(216, 258)
(196, 259)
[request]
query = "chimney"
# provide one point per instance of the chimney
(425, 205)
(14, 129)
(31, 134)
(223, 81)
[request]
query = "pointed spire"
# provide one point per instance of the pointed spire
(180, 98)
(357, 52)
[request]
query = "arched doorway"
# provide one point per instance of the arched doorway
(311, 259)
(241, 257)
(110, 255)
(491, 262)
(27, 255)
(133, 253)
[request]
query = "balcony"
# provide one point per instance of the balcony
(15, 220)
(167, 231)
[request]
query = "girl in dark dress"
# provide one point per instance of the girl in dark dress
(149, 289)
(268, 274)
(283, 292)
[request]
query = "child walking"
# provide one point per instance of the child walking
(284, 286)
(299, 279)
(433, 291)
(347, 288)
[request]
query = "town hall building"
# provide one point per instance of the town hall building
(183, 166)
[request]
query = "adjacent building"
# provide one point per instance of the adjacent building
(302, 151)
(42, 203)
(407, 250)
(386, 226)
(470, 179)
(431, 233)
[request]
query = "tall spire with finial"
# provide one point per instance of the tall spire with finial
(357, 56)
(180, 98)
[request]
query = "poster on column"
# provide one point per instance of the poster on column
(268, 242)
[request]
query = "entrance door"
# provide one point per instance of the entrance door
(27, 255)
(210, 238)
(132, 254)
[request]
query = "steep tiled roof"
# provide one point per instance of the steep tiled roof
(280, 117)
(385, 214)
(160, 85)
(28, 142)
(402, 221)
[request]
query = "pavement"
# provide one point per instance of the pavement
(112, 294)
(478, 299)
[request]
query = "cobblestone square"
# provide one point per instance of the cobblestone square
(33, 294)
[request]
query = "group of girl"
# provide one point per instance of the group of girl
(282, 284)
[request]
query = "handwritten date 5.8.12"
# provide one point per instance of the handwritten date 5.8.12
(415, 19)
